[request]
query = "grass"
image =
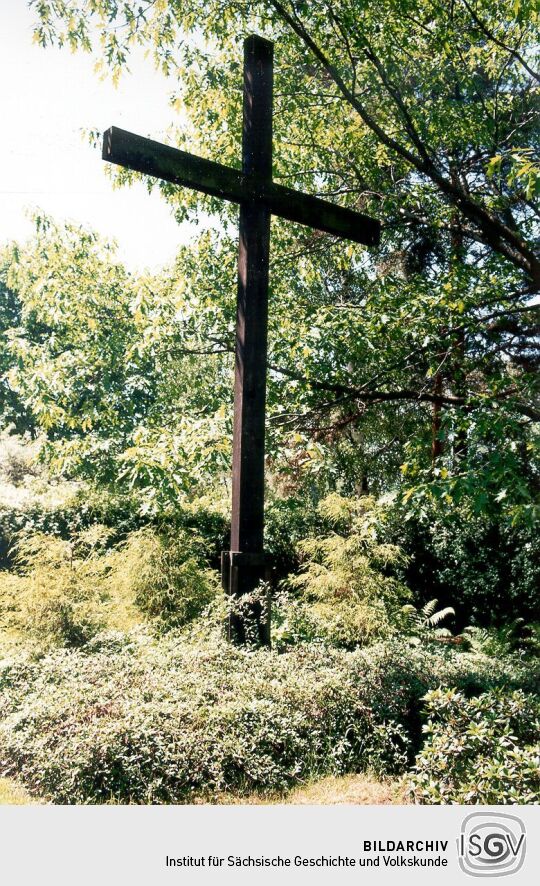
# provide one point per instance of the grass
(13, 794)
(356, 790)
(360, 790)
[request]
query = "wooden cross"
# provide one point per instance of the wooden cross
(259, 197)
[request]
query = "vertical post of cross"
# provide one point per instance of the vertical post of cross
(244, 565)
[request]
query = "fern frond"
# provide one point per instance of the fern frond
(439, 616)
(429, 608)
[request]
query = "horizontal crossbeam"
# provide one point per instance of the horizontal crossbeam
(155, 159)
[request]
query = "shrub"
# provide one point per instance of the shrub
(479, 750)
(67, 510)
(62, 512)
(55, 599)
(159, 721)
(344, 593)
(484, 567)
(166, 575)
(135, 718)
(287, 521)
(515, 636)
(64, 592)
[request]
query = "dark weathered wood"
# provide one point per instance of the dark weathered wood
(186, 170)
(247, 525)
(245, 564)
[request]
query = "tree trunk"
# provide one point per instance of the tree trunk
(437, 445)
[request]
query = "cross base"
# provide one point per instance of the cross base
(249, 616)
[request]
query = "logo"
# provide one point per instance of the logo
(491, 844)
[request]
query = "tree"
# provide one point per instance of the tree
(443, 93)
(13, 414)
(69, 342)
(423, 114)
(97, 361)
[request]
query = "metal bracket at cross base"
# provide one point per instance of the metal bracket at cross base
(241, 577)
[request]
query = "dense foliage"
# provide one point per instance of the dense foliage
(103, 698)
(345, 591)
(424, 354)
(403, 466)
(134, 719)
(478, 563)
(480, 750)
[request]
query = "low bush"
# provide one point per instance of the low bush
(479, 750)
(146, 719)
(56, 597)
(64, 592)
(166, 575)
(483, 566)
(286, 522)
(515, 636)
(345, 593)
(66, 511)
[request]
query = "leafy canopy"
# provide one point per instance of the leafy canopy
(425, 354)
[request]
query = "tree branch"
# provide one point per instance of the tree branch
(410, 395)
(493, 37)
(496, 234)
